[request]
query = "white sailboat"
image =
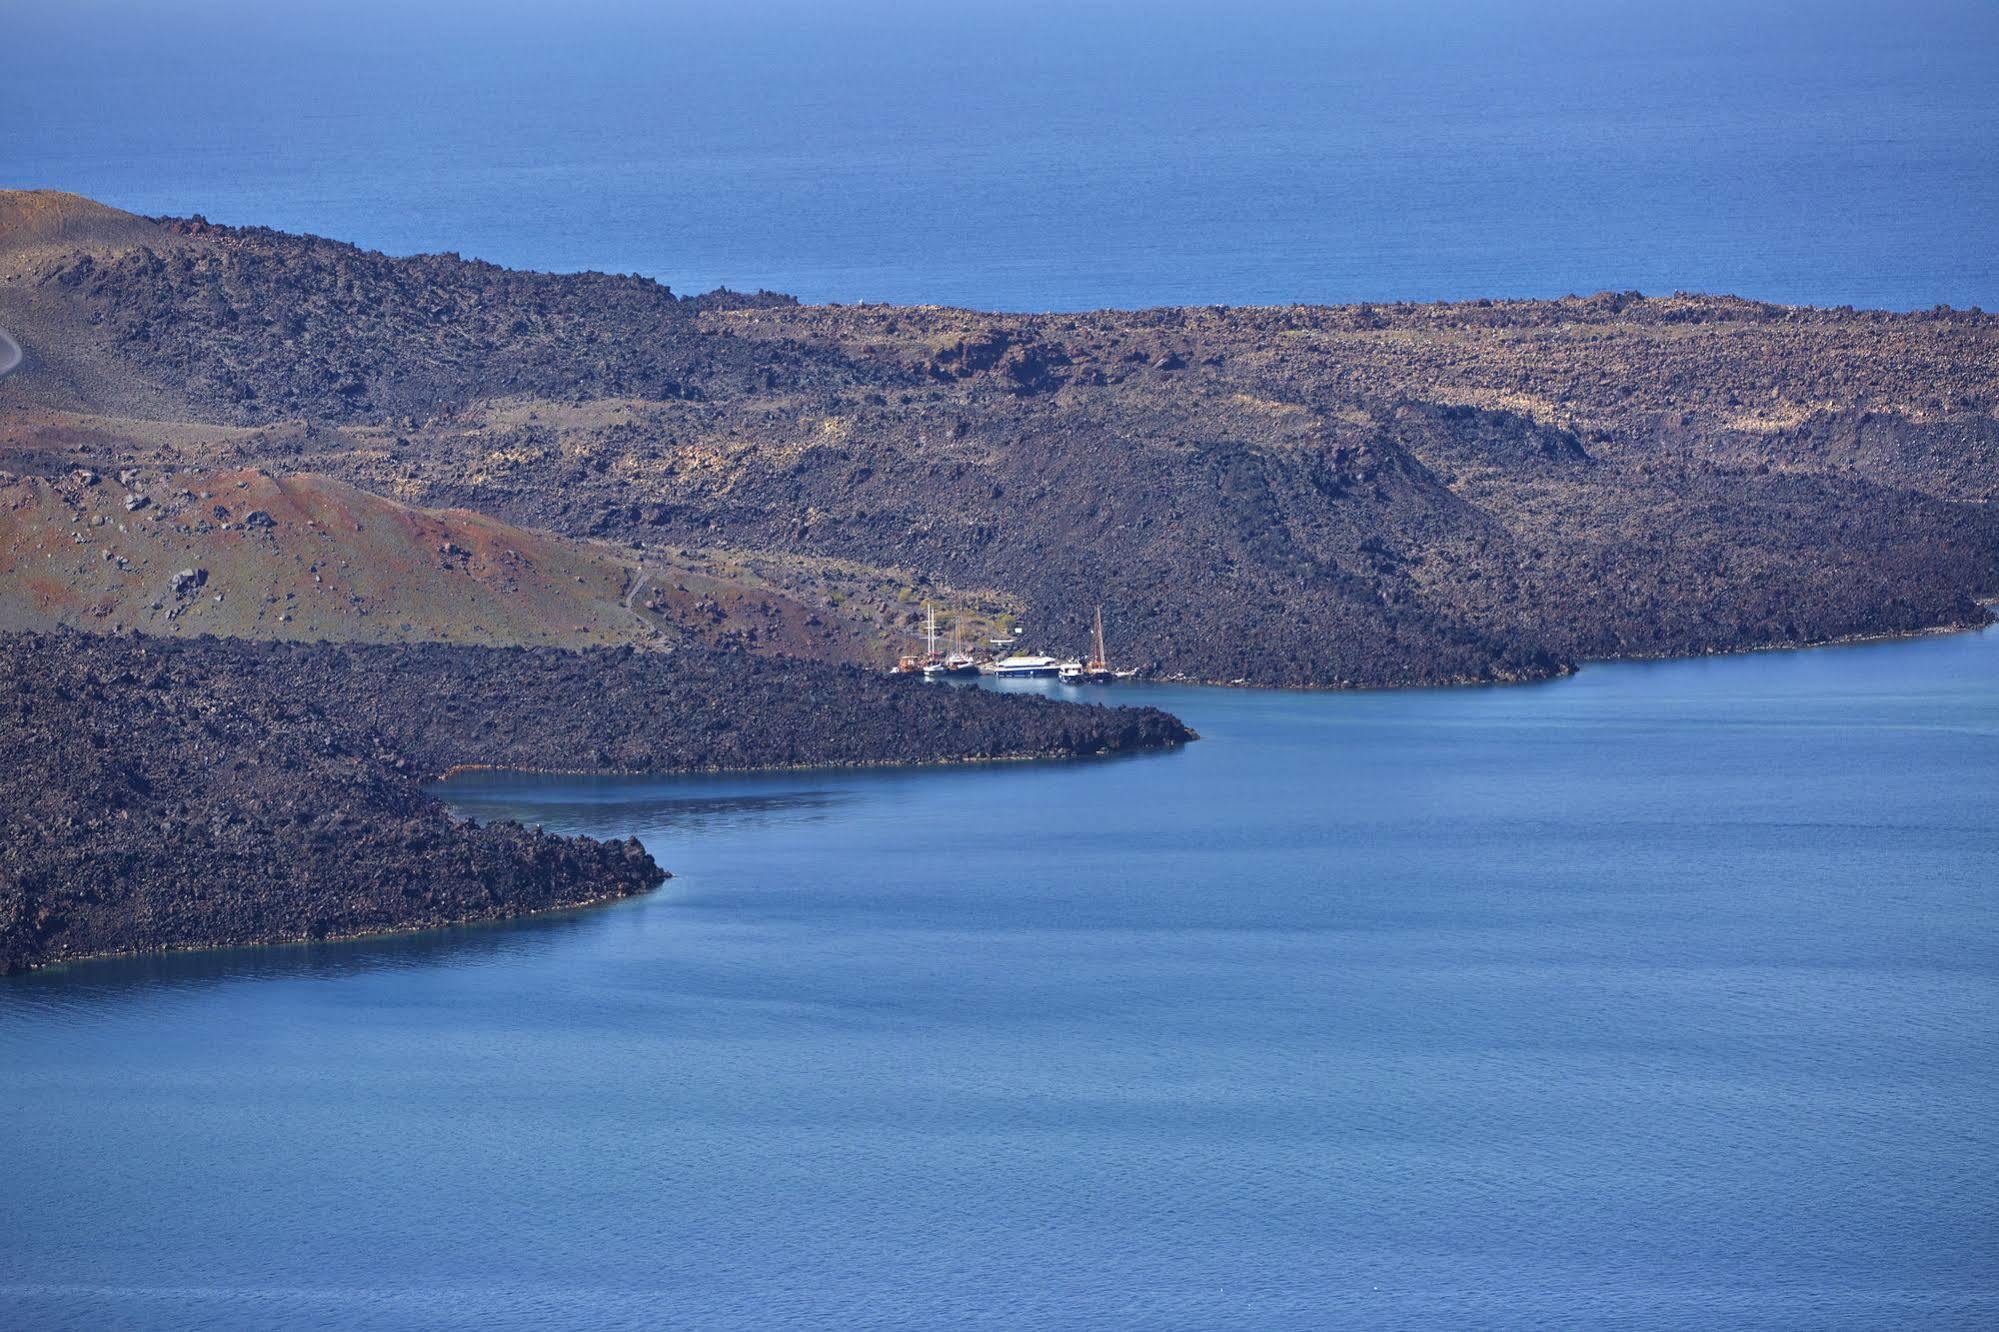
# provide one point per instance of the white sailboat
(1097, 670)
(934, 667)
(958, 661)
(938, 664)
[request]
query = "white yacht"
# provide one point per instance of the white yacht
(1026, 667)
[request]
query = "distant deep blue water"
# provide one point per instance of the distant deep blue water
(1660, 997)
(1045, 154)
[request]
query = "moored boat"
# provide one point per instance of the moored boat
(941, 665)
(1026, 667)
(933, 660)
(1097, 670)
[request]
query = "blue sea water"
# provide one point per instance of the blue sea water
(1051, 154)
(1664, 996)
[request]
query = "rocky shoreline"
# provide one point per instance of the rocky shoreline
(184, 793)
(1987, 608)
(1357, 497)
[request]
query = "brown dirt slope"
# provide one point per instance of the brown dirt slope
(45, 222)
(308, 558)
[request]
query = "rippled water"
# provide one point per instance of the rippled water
(1663, 996)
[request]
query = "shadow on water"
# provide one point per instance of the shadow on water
(567, 803)
(695, 804)
(468, 944)
(698, 802)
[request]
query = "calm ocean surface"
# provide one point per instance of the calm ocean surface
(1666, 996)
(1048, 154)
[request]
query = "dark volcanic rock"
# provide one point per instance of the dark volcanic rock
(174, 793)
(157, 799)
(1369, 495)
(413, 333)
(619, 710)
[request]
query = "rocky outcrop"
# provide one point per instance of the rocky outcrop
(155, 802)
(227, 308)
(618, 710)
(164, 793)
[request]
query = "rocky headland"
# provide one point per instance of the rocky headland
(157, 802)
(171, 793)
